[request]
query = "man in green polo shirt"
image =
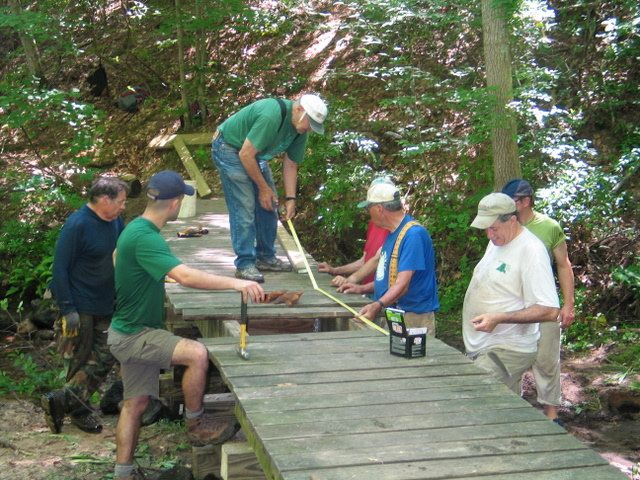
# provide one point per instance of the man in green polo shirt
(242, 147)
(137, 337)
(546, 369)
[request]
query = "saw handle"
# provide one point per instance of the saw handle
(244, 321)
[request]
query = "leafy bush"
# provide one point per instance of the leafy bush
(29, 378)
(26, 255)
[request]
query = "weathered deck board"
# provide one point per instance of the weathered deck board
(337, 406)
(213, 253)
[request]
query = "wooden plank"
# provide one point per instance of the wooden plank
(348, 387)
(191, 167)
(372, 442)
(162, 142)
(293, 254)
(462, 449)
(487, 465)
(414, 426)
(605, 472)
(239, 462)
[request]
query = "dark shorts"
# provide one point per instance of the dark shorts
(141, 358)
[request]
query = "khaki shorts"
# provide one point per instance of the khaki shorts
(508, 367)
(141, 358)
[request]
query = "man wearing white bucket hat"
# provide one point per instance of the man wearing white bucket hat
(241, 149)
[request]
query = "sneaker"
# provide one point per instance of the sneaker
(559, 422)
(206, 430)
(86, 421)
(273, 265)
(250, 273)
(54, 406)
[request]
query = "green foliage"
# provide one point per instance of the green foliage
(590, 332)
(29, 378)
(26, 254)
(629, 276)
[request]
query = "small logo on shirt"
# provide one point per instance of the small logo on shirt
(502, 268)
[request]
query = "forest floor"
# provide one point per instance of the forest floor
(597, 409)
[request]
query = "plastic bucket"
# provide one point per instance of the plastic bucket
(188, 208)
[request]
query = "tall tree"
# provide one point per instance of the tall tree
(497, 56)
(181, 65)
(28, 44)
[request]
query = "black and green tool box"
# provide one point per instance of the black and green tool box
(408, 343)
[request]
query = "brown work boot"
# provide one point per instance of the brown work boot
(206, 430)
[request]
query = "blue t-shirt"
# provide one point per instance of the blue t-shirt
(83, 264)
(416, 254)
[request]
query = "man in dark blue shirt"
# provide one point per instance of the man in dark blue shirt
(84, 289)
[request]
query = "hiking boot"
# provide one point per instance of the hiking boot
(206, 430)
(86, 421)
(176, 473)
(152, 413)
(135, 475)
(111, 399)
(54, 406)
(250, 273)
(272, 265)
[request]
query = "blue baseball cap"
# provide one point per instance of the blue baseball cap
(166, 185)
(517, 188)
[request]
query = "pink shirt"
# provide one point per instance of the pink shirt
(375, 238)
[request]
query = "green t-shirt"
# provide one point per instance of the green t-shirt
(143, 259)
(259, 122)
(547, 230)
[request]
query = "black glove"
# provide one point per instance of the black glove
(71, 325)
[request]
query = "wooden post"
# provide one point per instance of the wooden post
(205, 461)
(239, 462)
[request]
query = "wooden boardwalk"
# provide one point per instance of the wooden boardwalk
(213, 253)
(337, 406)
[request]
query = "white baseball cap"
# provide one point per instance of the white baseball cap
(491, 207)
(380, 192)
(316, 109)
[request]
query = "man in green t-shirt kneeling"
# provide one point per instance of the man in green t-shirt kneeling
(137, 337)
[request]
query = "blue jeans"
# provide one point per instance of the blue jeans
(253, 229)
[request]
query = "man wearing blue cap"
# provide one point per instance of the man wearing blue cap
(242, 147)
(137, 337)
(546, 369)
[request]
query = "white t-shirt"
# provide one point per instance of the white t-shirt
(509, 278)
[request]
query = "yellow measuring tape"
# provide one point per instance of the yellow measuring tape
(327, 294)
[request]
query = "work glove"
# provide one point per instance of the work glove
(71, 325)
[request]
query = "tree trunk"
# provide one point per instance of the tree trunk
(201, 55)
(499, 82)
(181, 67)
(29, 46)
